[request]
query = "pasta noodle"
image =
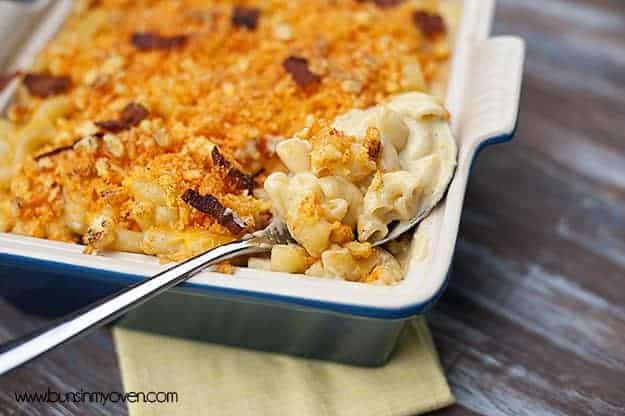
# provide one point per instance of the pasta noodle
(413, 163)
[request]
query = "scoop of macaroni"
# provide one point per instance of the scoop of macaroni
(348, 181)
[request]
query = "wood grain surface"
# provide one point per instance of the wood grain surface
(534, 319)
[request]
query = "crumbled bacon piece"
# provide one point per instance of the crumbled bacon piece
(45, 85)
(62, 149)
(211, 206)
(387, 3)
(219, 159)
(234, 179)
(56, 151)
(147, 41)
(245, 17)
(430, 24)
(383, 3)
(298, 68)
(5, 79)
(130, 116)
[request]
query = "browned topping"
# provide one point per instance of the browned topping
(298, 68)
(245, 17)
(234, 179)
(430, 24)
(387, 3)
(224, 86)
(211, 206)
(147, 41)
(5, 79)
(45, 85)
(130, 116)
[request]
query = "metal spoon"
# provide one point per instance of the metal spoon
(404, 226)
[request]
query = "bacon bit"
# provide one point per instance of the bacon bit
(56, 151)
(62, 149)
(430, 24)
(298, 68)
(211, 206)
(219, 159)
(234, 179)
(147, 41)
(387, 3)
(45, 85)
(130, 116)
(384, 3)
(5, 79)
(245, 17)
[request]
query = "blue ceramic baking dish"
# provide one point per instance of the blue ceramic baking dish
(300, 315)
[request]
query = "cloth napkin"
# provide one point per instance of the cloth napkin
(213, 379)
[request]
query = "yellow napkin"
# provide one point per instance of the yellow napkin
(213, 379)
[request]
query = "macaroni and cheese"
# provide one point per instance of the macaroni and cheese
(168, 128)
(350, 180)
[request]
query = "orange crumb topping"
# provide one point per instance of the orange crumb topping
(225, 85)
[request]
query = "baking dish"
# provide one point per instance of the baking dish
(321, 318)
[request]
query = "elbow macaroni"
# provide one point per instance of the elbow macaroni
(337, 187)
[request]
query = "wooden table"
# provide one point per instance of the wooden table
(534, 319)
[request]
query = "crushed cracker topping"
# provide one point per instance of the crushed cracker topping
(217, 85)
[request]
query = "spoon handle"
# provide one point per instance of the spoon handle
(24, 349)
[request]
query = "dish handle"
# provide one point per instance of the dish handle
(494, 89)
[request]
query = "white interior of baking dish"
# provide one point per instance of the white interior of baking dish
(483, 95)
